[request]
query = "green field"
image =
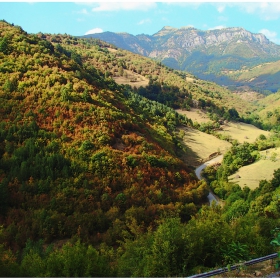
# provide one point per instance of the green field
(239, 131)
(242, 132)
(196, 115)
(263, 169)
(200, 145)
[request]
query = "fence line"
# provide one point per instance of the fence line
(234, 267)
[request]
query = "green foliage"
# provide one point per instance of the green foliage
(275, 182)
(276, 243)
(86, 96)
(235, 253)
(8, 264)
(87, 145)
(238, 208)
(65, 93)
(161, 254)
(233, 114)
(239, 155)
(156, 162)
(4, 45)
(276, 240)
(10, 86)
(73, 260)
(167, 251)
(131, 161)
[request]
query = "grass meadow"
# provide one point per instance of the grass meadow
(263, 169)
(200, 145)
(133, 79)
(242, 132)
(196, 115)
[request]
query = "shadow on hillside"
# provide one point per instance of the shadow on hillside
(190, 158)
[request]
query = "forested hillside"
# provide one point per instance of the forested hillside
(264, 76)
(174, 88)
(91, 180)
(166, 85)
(82, 157)
(157, 82)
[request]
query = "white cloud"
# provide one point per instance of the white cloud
(144, 21)
(271, 35)
(266, 11)
(83, 11)
(184, 3)
(94, 30)
(221, 8)
(217, 27)
(127, 6)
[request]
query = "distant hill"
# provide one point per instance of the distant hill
(264, 77)
(206, 54)
(178, 89)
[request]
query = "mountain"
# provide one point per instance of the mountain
(81, 156)
(206, 54)
(177, 89)
(92, 181)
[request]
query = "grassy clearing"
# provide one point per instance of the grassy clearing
(242, 132)
(133, 79)
(263, 169)
(196, 115)
(200, 145)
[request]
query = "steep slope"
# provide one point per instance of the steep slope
(268, 112)
(265, 76)
(172, 87)
(81, 157)
(206, 54)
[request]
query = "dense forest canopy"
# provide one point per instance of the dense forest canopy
(92, 182)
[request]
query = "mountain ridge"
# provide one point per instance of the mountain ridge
(196, 37)
(206, 54)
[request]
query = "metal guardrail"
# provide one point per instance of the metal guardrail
(234, 267)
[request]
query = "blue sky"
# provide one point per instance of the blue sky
(79, 18)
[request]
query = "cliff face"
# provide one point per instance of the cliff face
(188, 39)
(227, 35)
(191, 39)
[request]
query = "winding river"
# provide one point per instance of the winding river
(199, 169)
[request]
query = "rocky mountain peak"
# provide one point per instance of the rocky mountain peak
(165, 30)
(201, 51)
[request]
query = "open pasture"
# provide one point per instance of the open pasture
(201, 145)
(263, 169)
(133, 79)
(196, 115)
(242, 132)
